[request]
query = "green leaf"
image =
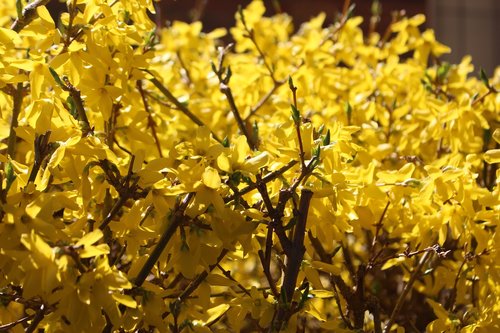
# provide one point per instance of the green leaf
(348, 112)
(484, 78)
(19, 8)
(321, 129)
(376, 8)
(326, 139)
(242, 15)
(57, 78)
(443, 70)
(474, 97)
(213, 67)
(10, 176)
(229, 73)
(255, 130)
(304, 296)
(350, 11)
(72, 107)
(295, 114)
(426, 85)
(316, 151)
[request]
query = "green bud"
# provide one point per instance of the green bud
(484, 78)
(326, 139)
(295, 114)
(290, 84)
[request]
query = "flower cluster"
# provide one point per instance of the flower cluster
(314, 178)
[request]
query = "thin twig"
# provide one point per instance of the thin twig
(126, 186)
(43, 151)
(224, 75)
(378, 227)
(406, 290)
(224, 88)
(180, 106)
(251, 35)
(17, 98)
(297, 120)
(151, 122)
(264, 99)
(184, 70)
(77, 98)
(176, 220)
(110, 125)
(230, 277)
(483, 97)
(335, 279)
(267, 274)
(72, 11)
(200, 278)
(7, 327)
(266, 179)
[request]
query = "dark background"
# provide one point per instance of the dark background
(221, 13)
(217, 13)
(468, 27)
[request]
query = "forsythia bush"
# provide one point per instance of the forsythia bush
(156, 180)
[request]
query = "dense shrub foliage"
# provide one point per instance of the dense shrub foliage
(318, 180)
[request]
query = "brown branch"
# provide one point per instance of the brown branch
(29, 13)
(378, 227)
(110, 125)
(180, 106)
(267, 274)
(345, 8)
(406, 290)
(337, 281)
(43, 150)
(37, 319)
(297, 120)
(293, 263)
(72, 11)
(230, 277)
(251, 35)
(395, 17)
(176, 220)
(374, 307)
(266, 179)
(226, 90)
(77, 98)
(126, 186)
(264, 99)
(407, 254)
(151, 122)
(184, 71)
(122, 199)
(483, 97)
(200, 278)
(7, 327)
(17, 98)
